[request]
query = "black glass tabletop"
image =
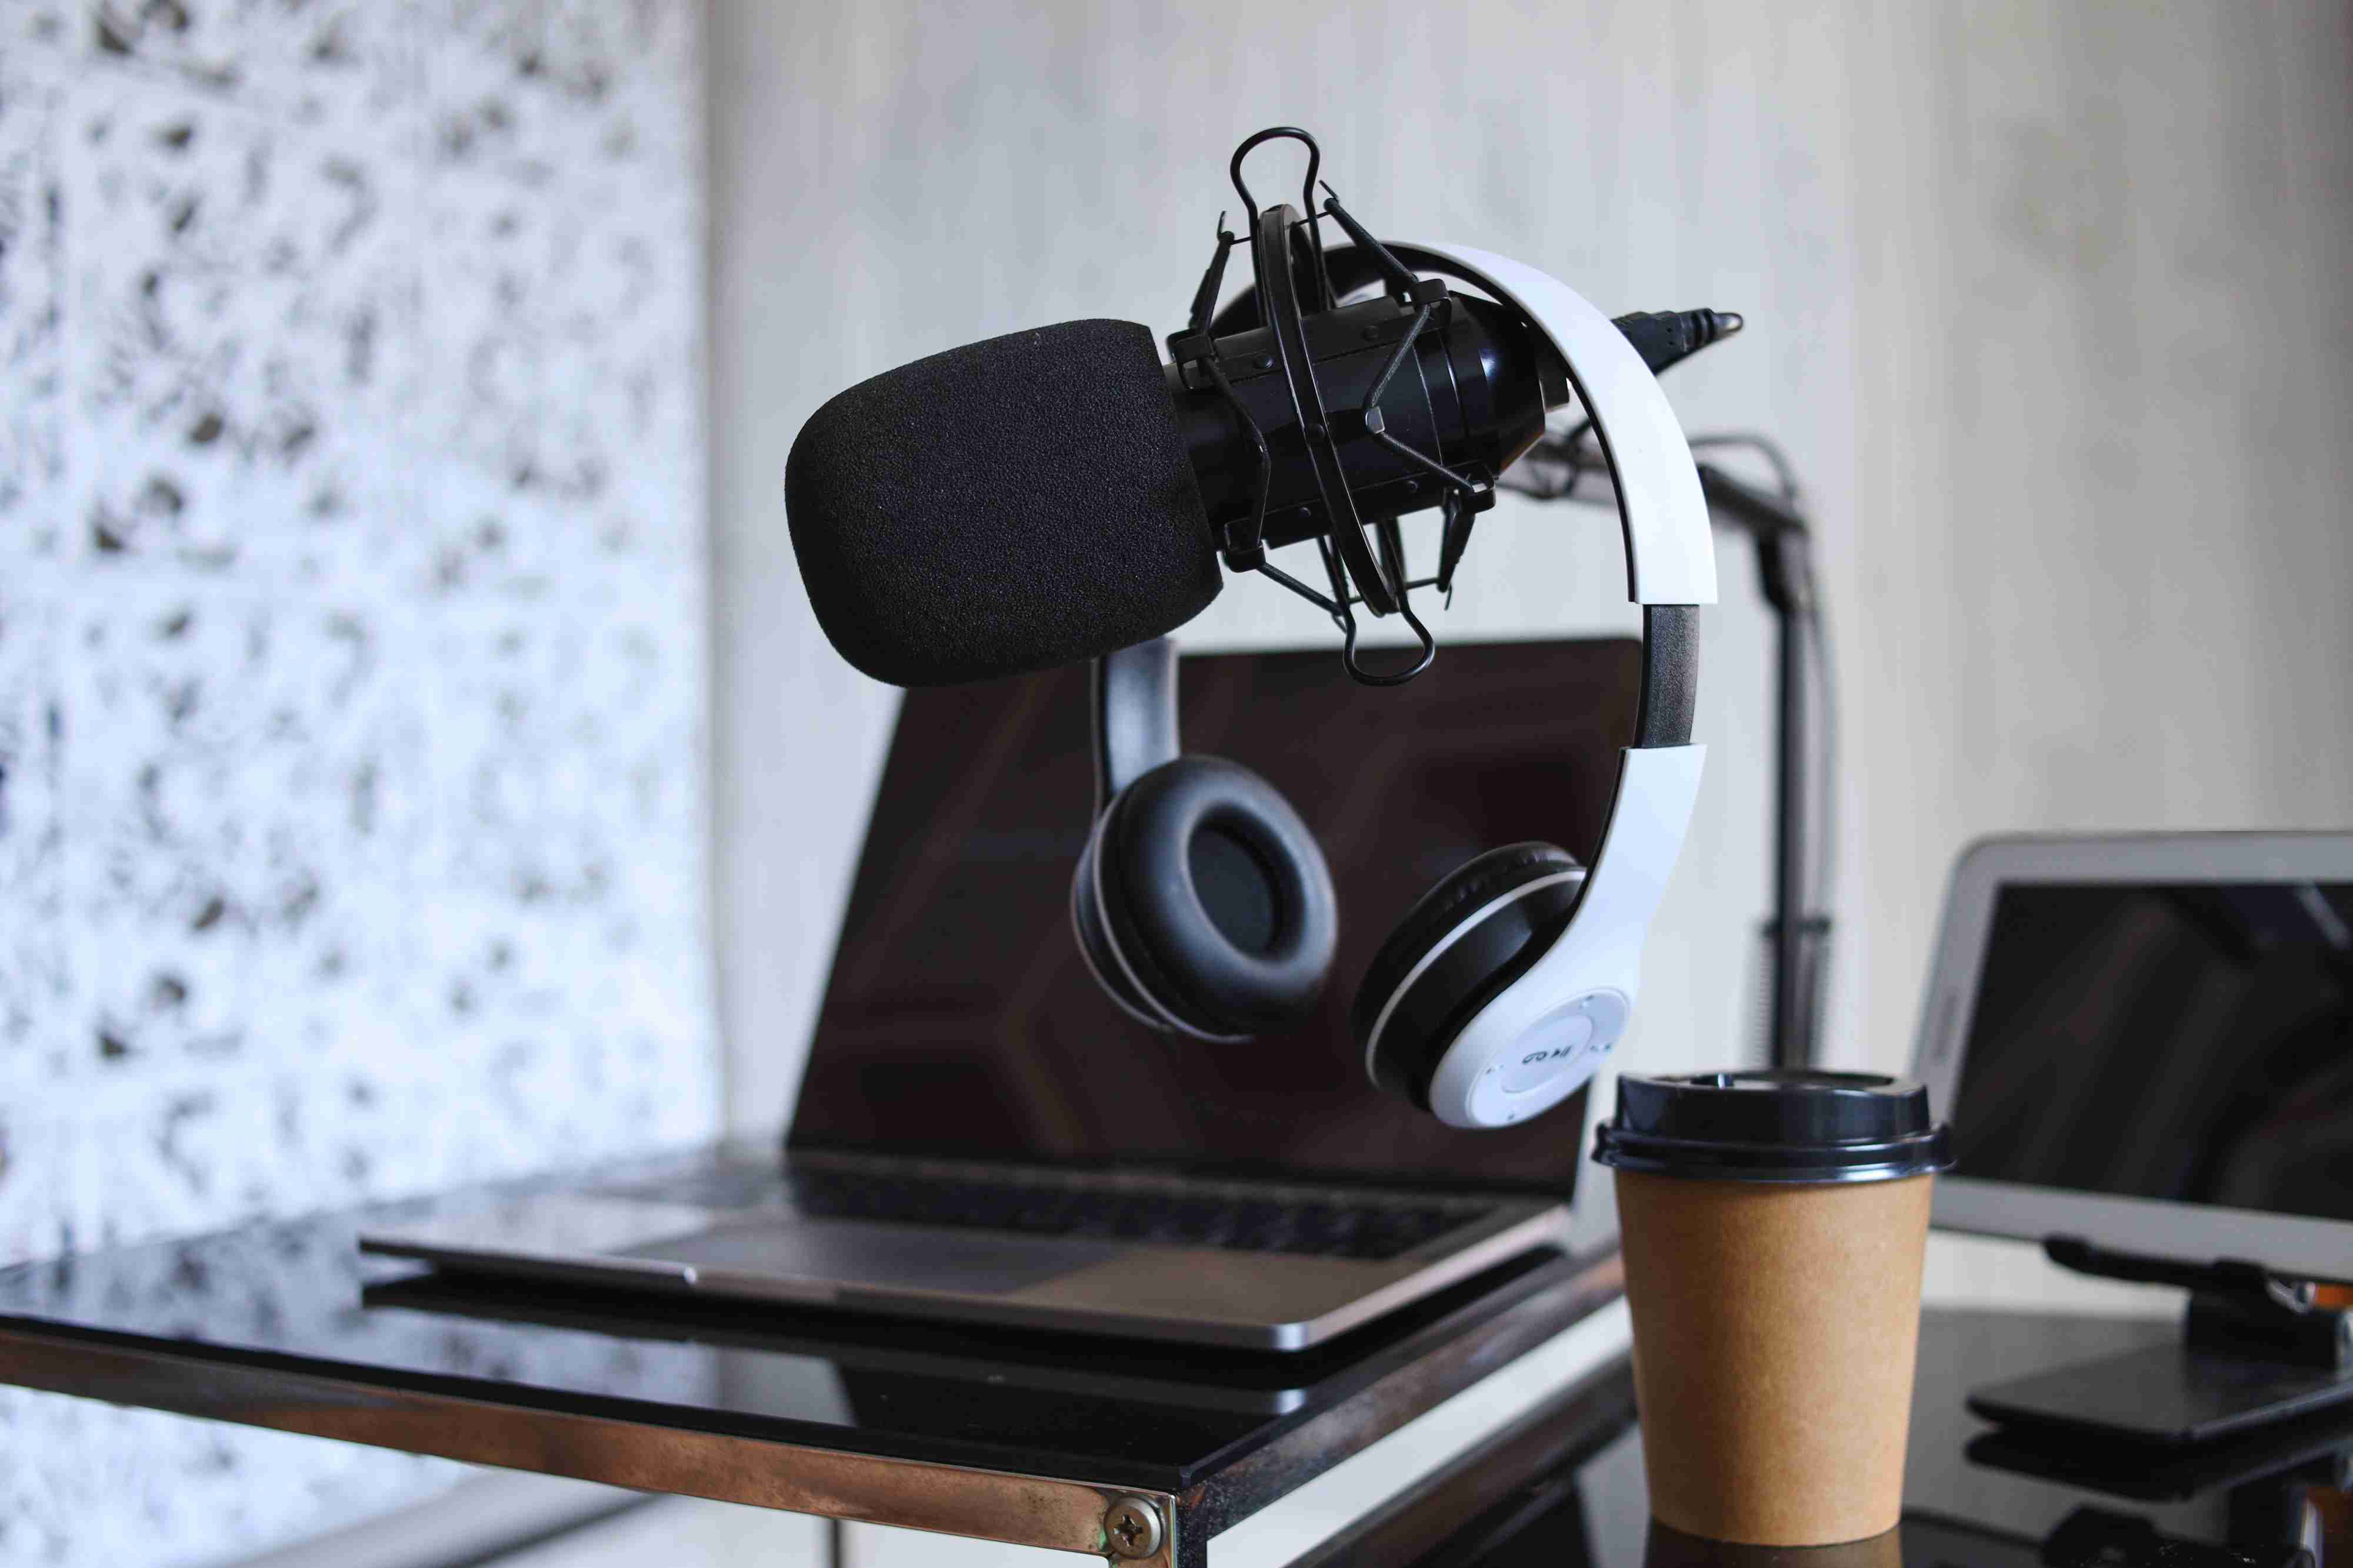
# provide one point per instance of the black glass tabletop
(300, 1296)
(287, 1324)
(1975, 1495)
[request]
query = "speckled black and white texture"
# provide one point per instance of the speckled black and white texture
(350, 651)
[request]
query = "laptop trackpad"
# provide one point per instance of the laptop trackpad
(854, 1254)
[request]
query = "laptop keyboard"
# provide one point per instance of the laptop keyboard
(1373, 1231)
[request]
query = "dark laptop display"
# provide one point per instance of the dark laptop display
(2204, 1026)
(960, 1020)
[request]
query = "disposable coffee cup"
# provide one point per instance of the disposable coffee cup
(1774, 1224)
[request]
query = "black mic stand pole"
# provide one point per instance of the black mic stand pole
(1785, 572)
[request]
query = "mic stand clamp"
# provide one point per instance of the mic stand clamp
(2236, 1307)
(2258, 1350)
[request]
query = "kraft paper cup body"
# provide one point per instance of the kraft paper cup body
(1775, 1333)
(1773, 1225)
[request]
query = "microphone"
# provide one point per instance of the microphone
(1055, 495)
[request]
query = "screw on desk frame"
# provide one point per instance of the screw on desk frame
(1131, 1528)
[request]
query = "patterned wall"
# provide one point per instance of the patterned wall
(351, 662)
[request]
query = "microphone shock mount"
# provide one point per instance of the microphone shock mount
(1271, 383)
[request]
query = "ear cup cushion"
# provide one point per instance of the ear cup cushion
(1198, 841)
(1472, 970)
(1086, 922)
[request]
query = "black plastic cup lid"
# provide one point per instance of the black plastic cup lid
(1774, 1125)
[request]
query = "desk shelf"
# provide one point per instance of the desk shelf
(1007, 1437)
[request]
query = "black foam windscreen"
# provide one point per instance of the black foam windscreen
(1012, 505)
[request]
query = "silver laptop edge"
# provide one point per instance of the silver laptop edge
(1256, 1300)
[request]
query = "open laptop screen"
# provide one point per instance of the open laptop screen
(960, 1021)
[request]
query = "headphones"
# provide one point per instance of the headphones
(1204, 906)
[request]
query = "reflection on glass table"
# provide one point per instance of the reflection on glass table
(1974, 1498)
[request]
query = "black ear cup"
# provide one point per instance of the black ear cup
(1407, 1011)
(1202, 903)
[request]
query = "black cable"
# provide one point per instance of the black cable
(1826, 753)
(1568, 449)
(1565, 449)
(1785, 473)
(1822, 711)
(1573, 442)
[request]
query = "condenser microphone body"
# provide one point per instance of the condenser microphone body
(1054, 495)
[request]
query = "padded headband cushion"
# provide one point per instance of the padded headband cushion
(1214, 891)
(1086, 920)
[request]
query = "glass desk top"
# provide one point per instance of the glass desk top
(1973, 1496)
(299, 1297)
(289, 1325)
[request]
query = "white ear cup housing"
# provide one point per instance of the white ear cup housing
(1544, 1036)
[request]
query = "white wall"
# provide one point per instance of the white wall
(2102, 538)
(2043, 299)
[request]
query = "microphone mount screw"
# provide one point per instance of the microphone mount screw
(1131, 1528)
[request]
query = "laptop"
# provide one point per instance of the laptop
(983, 1136)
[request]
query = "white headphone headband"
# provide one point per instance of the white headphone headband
(1594, 968)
